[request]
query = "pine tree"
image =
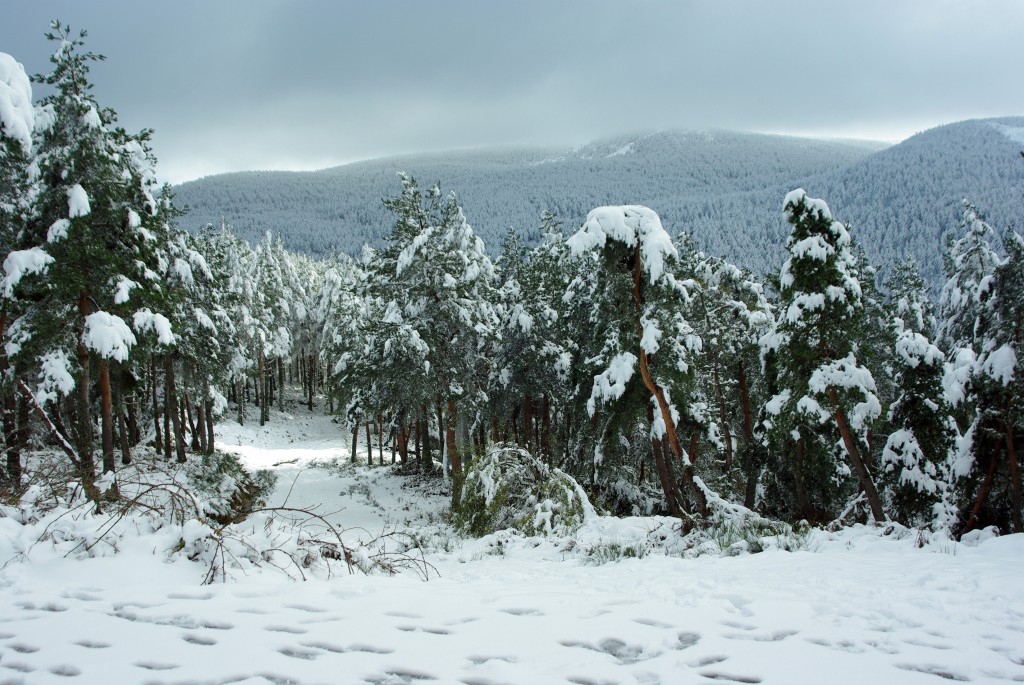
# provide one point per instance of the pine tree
(639, 324)
(825, 399)
(94, 219)
(916, 457)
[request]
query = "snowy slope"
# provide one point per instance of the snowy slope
(858, 607)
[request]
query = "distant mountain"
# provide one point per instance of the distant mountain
(725, 189)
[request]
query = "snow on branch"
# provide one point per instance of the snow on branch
(17, 115)
(145, 320)
(21, 263)
(108, 335)
(630, 225)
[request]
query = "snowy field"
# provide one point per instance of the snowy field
(857, 607)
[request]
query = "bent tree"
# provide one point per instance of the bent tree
(638, 310)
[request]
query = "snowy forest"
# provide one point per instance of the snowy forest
(612, 362)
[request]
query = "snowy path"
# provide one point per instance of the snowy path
(861, 609)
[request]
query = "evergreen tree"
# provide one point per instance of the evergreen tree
(916, 457)
(825, 399)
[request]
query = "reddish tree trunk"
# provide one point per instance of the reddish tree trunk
(858, 463)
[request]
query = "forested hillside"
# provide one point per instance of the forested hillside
(721, 188)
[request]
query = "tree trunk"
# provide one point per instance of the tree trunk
(106, 417)
(280, 383)
(428, 457)
(380, 438)
(417, 454)
(24, 429)
(241, 403)
(753, 467)
(1011, 452)
(261, 390)
(983, 491)
(527, 422)
(453, 450)
(723, 418)
(170, 414)
(862, 469)
(208, 409)
(355, 443)
(440, 433)
(133, 419)
(546, 439)
(172, 401)
(667, 482)
(201, 425)
(312, 384)
(83, 429)
(515, 424)
(194, 443)
(57, 432)
(803, 501)
(11, 442)
(369, 445)
(159, 443)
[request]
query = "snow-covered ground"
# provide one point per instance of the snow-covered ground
(857, 607)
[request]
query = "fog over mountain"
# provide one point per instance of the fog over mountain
(724, 189)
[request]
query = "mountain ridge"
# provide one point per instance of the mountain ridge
(723, 188)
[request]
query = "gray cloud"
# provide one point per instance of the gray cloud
(241, 84)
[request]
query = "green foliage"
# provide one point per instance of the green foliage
(510, 488)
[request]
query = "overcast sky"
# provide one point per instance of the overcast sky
(254, 84)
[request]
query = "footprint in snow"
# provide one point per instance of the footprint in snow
(66, 670)
(523, 612)
(729, 677)
(932, 669)
(154, 666)
(199, 640)
(285, 629)
(92, 644)
(297, 653)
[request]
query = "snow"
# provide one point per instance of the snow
(795, 197)
(54, 376)
(123, 290)
(144, 320)
(610, 384)
(999, 365)
(862, 605)
(628, 224)
(58, 230)
(17, 114)
(913, 348)
(20, 263)
(108, 335)
(78, 201)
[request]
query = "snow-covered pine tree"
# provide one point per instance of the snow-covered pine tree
(916, 457)
(435, 277)
(824, 398)
(968, 332)
(733, 313)
(17, 125)
(639, 324)
(530, 360)
(94, 219)
(999, 394)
